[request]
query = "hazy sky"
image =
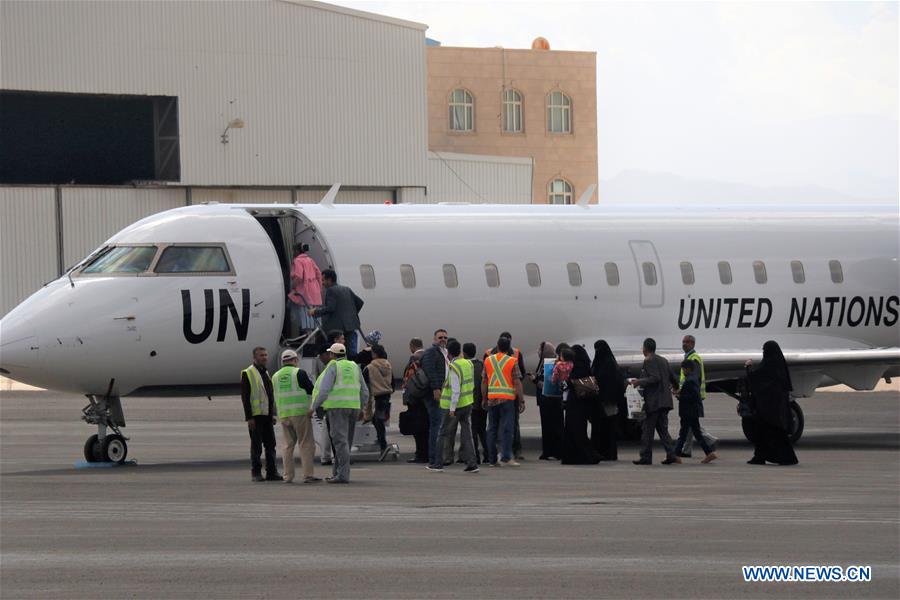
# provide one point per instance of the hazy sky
(762, 93)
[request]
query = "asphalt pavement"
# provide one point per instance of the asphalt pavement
(187, 522)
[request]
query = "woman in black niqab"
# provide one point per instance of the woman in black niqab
(605, 413)
(577, 448)
(770, 402)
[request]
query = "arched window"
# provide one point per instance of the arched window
(559, 192)
(512, 111)
(462, 110)
(559, 113)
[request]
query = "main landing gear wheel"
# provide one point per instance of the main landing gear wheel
(92, 449)
(115, 449)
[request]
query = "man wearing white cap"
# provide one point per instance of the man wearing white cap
(342, 393)
(293, 388)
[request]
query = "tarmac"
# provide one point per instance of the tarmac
(187, 522)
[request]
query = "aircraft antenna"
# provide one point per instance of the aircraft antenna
(585, 198)
(328, 199)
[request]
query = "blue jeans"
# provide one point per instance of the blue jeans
(435, 420)
(502, 418)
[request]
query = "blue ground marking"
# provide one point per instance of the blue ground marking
(83, 464)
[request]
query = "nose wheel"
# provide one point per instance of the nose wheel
(106, 413)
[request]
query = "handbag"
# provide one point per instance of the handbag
(585, 387)
(407, 423)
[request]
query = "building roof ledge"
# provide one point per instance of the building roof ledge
(358, 13)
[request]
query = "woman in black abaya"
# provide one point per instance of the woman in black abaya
(770, 387)
(577, 448)
(605, 370)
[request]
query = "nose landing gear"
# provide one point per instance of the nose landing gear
(105, 412)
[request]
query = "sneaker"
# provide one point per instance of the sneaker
(447, 463)
(286, 480)
(494, 464)
(312, 479)
(472, 469)
(438, 469)
(257, 477)
(709, 458)
(335, 480)
(510, 463)
(274, 477)
(642, 462)
(672, 460)
(756, 461)
(325, 463)
(683, 454)
(417, 460)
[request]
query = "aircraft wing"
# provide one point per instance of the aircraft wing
(861, 369)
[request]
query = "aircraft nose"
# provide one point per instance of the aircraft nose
(18, 349)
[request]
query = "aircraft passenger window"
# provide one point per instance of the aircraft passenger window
(193, 259)
(367, 275)
(491, 275)
(408, 276)
(612, 273)
(534, 274)
(797, 271)
(687, 273)
(450, 278)
(649, 273)
(574, 274)
(123, 259)
(725, 272)
(837, 272)
(759, 271)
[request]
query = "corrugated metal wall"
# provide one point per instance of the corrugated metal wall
(325, 95)
(474, 178)
(90, 216)
(28, 242)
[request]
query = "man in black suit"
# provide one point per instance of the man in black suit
(658, 381)
(339, 310)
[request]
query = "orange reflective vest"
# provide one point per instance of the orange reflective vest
(490, 351)
(498, 369)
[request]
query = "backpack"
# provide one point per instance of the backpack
(416, 388)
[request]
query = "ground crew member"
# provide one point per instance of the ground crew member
(456, 402)
(687, 344)
(520, 359)
(292, 389)
(342, 393)
(501, 388)
(259, 413)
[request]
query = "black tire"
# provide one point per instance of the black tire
(115, 449)
(797, 422)
(92, 449)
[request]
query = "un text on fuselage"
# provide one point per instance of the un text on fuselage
(227, 310)
(803, 312)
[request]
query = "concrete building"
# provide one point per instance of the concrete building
(538, 104)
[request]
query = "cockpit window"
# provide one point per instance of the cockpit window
(122, 259)
(193, 259)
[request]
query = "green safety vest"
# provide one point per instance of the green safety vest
(347, 383)
(290, 399)
(695, 357)
(466, 373)
(259, 401)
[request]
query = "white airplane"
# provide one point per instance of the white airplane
(175, 303)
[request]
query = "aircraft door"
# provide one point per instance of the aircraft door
(649, 273)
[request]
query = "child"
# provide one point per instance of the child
(689, 411)
(563, 369)
(381, 385)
